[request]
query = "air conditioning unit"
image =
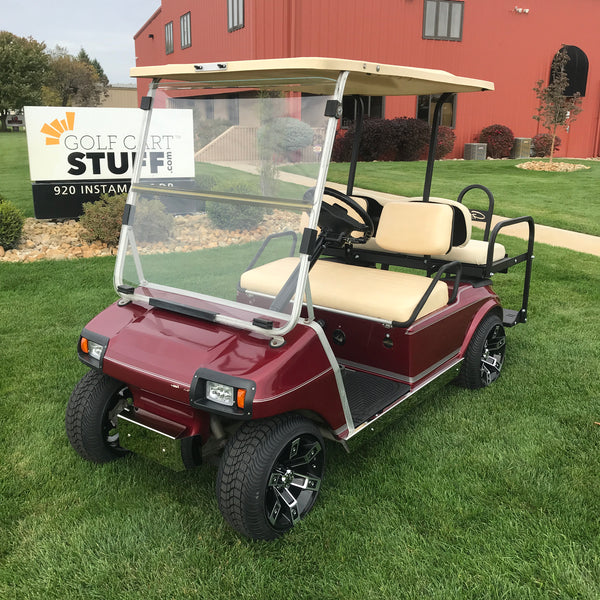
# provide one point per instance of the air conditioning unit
(475, 151)
(522, 148)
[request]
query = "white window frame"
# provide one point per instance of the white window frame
(169, 46)
(235, 15)
(443, 20)
(185, 25)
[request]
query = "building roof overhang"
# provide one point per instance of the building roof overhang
(315, 75)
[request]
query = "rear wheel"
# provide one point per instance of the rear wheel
(270, 475)
(91, 418)
(485, 355)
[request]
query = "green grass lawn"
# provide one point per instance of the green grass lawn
(469, 495)
(564, 200)
(15, 184)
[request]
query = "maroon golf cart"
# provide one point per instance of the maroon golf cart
(263, 310)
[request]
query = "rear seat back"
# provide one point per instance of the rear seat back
(416, 228)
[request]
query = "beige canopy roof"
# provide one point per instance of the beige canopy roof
(316, 76)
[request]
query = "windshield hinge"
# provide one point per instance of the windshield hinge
(333, 108)
(308, 242)
(146, 103)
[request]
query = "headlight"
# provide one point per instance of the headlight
(92, 347)
(220, 393)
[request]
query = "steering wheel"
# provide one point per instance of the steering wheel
(335, 219)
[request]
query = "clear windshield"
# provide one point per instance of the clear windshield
(214, 203)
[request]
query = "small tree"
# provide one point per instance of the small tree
(73, 81)
(555, 109)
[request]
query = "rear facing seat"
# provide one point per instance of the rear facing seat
(418, 228)
(464, 248)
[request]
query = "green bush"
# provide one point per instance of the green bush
(445, 141)
(11, 224)
(235, 215)
(499, 140)
(285, 137)
(542, 144)
(152, 222)
(403, 138)
(102, 219)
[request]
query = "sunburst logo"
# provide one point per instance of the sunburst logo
(56, 128)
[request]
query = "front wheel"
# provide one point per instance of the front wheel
(270, 475)
(484, 357)
(91, 418)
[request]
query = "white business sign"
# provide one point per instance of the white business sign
(101, 143)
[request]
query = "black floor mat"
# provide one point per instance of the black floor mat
(368, 394)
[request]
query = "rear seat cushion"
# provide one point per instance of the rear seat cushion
(386, 295)
(474, 253)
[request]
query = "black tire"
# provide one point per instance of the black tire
(270, 475)
(485, 355)
(91, 417)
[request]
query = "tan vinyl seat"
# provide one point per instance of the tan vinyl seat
(386, 295)
(468, 251)
(377, 293)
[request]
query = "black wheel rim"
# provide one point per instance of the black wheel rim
(115, 406)
(492, 357)
(294, 481)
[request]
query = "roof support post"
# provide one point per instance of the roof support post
(360, 112)
(432, 144)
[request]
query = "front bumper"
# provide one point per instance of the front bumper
(143, 437)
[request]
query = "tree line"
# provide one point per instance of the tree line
(31, 75)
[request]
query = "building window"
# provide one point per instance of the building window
(235, 14)
(443, 20)
(426, 107)
(576, 70)
(169, 37)
(185, 23)
(373, 109)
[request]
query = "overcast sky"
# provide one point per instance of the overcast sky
(105, 29)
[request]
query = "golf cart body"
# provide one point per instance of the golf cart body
(258, 302)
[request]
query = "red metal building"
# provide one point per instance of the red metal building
(511, 45)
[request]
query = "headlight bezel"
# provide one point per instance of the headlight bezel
(243, 391)
(94, 356)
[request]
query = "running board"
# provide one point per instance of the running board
(369, 394)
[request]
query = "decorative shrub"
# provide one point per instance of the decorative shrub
(11, 224)
(499, 140)
(152, 222)
(410, 137)
(102, 219)
(402, 138)
(445, 141)
(377, 141)
(235, 215)
(284, 137)
(542, 144)
(342, 148)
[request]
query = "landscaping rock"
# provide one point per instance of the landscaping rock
(555, 167)
(62, 240)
